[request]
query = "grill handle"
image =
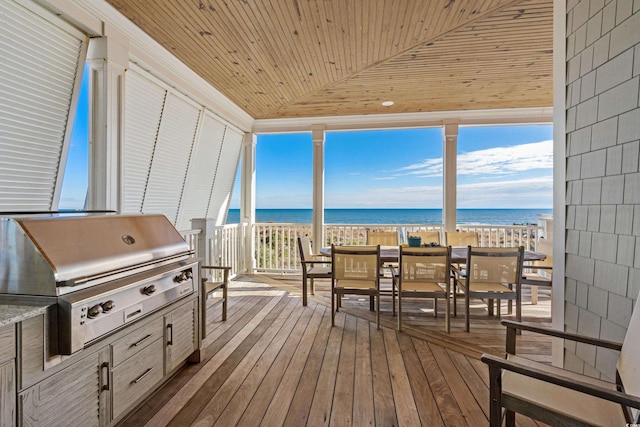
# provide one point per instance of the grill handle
(170, 334)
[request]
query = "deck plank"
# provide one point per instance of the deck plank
(385, 412)
(321, 406)
(404, 402)
(363, 403)
(244, 396)
(228, 362)
(301, 405)
(469, 407)
(279, 405)
(422, 393)
(342, 407)
(266, 391)
(447, 404)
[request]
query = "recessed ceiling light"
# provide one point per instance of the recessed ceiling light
(387, 103)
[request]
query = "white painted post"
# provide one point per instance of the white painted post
(450, 149)
(248, 197)
(318, 137)
(107, 59)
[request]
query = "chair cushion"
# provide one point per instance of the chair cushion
(580, 406)
(421, 287)
(357, 284)
(491, 287)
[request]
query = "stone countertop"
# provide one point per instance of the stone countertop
(14, 313)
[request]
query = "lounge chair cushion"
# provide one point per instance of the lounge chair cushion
(588, 409)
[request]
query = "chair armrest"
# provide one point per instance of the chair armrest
(512, 327)
(316, 262)
(226, 271)
(216, 267)
(562, 381)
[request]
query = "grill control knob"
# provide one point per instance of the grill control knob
(180, 277)
(148, 290)
(107, 306)
(94, 311)
(188, 275)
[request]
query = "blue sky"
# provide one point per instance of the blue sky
(76, 176)
(498, 167)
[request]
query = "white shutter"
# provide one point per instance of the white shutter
(40, 62)
(171, 157)
(144, 101)
(202, 171)
(226, 174)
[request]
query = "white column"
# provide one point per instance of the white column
(449, 150)
(107, 60)
(559, 176)
(318, 137)
(248, 196)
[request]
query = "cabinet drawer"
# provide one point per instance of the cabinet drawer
(133, 378)
(7, 343)
(136, 341)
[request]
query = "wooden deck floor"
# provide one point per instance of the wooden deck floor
(275, 362)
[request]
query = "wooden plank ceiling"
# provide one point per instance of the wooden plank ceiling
(301, 58)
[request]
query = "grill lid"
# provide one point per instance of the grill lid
(66, 250)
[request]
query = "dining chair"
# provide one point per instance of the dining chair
(382, 238)
(491, 274)
(426, 237)
(561, 397)
(424, 272)
(461, 238)
(355, 270)
(539, 273)
(313, 266)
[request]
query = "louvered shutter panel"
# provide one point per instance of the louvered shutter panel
(144, 101)
(226, 174)
(171, 157)
(202, 171)
(40, 62)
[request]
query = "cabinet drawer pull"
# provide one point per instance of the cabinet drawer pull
(137, 380)
(170, 334)
(135, 344)
(104, 379)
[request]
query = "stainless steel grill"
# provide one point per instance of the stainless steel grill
(104, 271)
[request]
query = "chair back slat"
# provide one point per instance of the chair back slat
(494, 265)
(304, 246)
(382, 238)
(544, 246)
(629, 361)
(425, 264)
(461, 238)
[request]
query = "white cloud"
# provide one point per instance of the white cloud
(491, 161)
(519, 193)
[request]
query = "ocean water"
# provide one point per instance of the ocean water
(396, 216)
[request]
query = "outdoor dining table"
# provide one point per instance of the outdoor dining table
(458, 255)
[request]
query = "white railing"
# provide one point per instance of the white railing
(496, 236)
(192, 237)
(227, 247)
(276, 249)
